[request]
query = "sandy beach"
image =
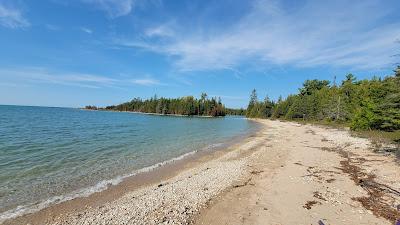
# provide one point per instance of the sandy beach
(286, 173)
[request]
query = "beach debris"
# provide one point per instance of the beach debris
(320, 222)
(398, 219)
(319, 196)
(256, 171)
(324, 140)
(311, 132)
(161, 184)
(309, 204)
(330, 180)
(378, 193)
(247, 182)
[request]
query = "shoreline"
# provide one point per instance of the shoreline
(101, 186)
(252, 181)
(153, 114)
(118, 186)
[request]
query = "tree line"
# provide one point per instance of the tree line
(188, 105)
(235, 112)
(362, 104)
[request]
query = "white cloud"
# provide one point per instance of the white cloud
(146, 82)
(12, 18)
(86, 30)
(114, 8)
(43, 75)
(334, 33)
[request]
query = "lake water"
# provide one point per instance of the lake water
(49, 155)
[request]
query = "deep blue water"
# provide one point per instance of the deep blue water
(48, 152)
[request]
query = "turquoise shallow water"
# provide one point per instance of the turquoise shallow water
(53, 154)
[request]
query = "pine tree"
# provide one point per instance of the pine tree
(397, 71)
(251, 108)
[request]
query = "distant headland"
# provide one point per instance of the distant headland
(183, 106)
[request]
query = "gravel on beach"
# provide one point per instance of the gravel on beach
(173, 201)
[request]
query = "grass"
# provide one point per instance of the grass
(380, 140)
(381, 136)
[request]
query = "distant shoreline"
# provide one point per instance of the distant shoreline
(154, 114)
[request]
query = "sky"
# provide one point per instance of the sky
(103, 52)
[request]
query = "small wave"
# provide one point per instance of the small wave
(212, 146)
(84, 192)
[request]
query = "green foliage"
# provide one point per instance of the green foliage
(91, 107)
(259, 109)
(397, 71)
(311, 86)
(181, 106)
(365, 105)
(235, 112)
(365, 118)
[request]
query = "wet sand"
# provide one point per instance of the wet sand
(285, 173)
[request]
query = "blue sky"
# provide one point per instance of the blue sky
(102, 52)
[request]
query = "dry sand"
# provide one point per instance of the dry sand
(285, 174)
(303, 174)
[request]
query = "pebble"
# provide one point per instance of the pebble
(170, 202)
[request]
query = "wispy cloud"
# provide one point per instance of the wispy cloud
(86, 30)
(314, 33)
(147, 82)
(113, 8)
(34, 75)
(124, 42)
(12, 85)
(164, 30)
(12, 18)
(43, 75)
